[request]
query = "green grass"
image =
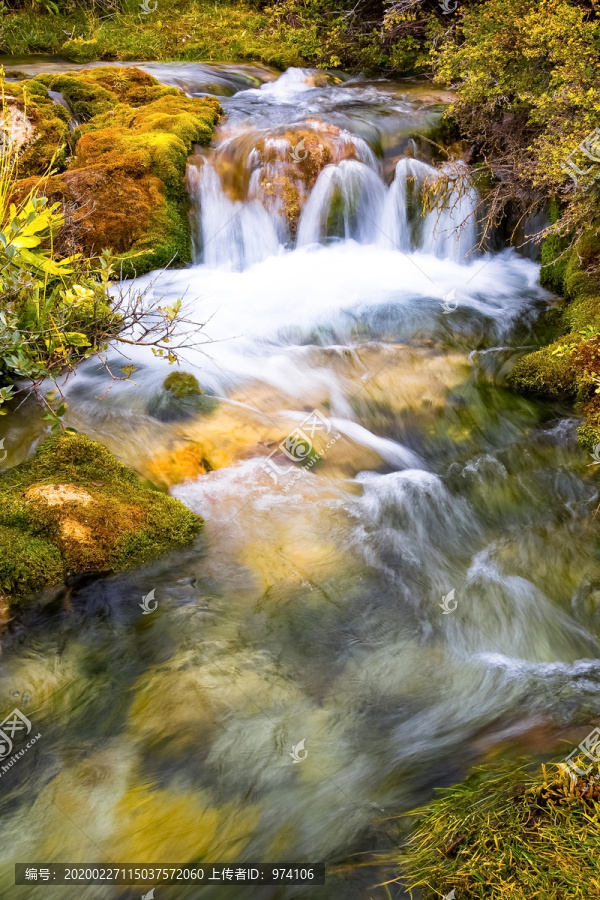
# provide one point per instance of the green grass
(198, 30)
(507, 834)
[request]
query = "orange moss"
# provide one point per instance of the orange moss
(96, 195)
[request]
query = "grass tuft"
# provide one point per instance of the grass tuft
(507, 834)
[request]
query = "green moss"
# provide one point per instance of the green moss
(571, 373)
(182, 384)
(128, 84)
(544, 374)
(508, 833)
(585, 312)
(163, 155)
(107, 520)
(85, 99)
(181, 398)
(81, 50)
(553, 263)
(27, 563)
(94, 91)
(166, 242)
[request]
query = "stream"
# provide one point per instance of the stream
(399, 569)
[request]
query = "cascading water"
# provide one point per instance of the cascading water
(314, 607)
(403, 203)
(337, 193)
(232, 233)
(450, 232)
(346, 201)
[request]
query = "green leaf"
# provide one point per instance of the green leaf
(76, 339)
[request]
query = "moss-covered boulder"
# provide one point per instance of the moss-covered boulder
(73, 508)
(149, 227)
(569, 368)
(121, 172)
(181, 397)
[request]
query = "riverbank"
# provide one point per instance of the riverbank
(508, 831)
(199, 30)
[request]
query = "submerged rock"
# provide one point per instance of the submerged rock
(75, 508)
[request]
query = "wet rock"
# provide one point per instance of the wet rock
(181, 398)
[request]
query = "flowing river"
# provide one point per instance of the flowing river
(398, 576)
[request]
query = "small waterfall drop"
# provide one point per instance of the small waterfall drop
(346, 202)
(232, 234)
(451, 232)
(402, 203)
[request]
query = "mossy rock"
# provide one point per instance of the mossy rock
(181, 398)
(134, 142)
(86, 100)
(545, 374)
(42, 126)
(149, 228)
(570, 372)
(72, 508)
(182, 384)
(553, 263)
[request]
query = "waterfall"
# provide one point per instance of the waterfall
(346, 201)
(260, 191)
(451, 232)
(231, 234)
(402, 203)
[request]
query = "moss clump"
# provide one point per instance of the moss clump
(74, 508)
(545, 374)
(507, 833)
(85, 99)
(181, 399)
(95, 91)
(42, 126)
(182, 384)
(163, 155)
